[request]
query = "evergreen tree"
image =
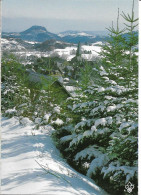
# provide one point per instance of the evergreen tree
(104, 125)
(78, 52)
(14, 91)
(112, 50)
(130, 45)
(85, 75)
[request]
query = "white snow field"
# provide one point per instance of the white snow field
(67, 53)
(31, 164)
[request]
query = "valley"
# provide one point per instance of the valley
(28, 47)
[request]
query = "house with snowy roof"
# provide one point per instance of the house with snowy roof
(52, 83)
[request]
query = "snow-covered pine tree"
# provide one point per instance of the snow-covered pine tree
(78, 52)
(113, 49)
(101, 139)
(24, 98)
(15, 95)
(86, 73)
(130, 44)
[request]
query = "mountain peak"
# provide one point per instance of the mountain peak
(35, 29)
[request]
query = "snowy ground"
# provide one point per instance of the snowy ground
(31, 164)
(67, 53)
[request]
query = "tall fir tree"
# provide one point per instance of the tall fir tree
(104, 125)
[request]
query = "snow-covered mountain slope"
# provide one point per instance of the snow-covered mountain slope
(88, 51)
(31, 164)
(75, 34)
(27, 49)
(40, 34)
(82, 33)
(11, 44)
(83, 36)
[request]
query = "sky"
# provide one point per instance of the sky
(62, 15)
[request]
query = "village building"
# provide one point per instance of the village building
(54, 84)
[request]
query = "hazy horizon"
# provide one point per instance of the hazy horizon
(62, 15)
(65, 30)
